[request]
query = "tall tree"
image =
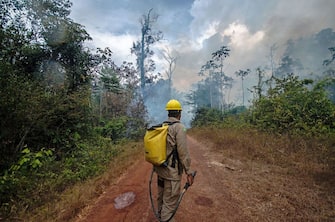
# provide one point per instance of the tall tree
(273, 49)
(259, 87)
(115, 90)
(220, 55)
(223, 79)
(242, 74)
(210, 68)
(142, 48)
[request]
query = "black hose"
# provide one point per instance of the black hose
(187, 185)
(150, 194)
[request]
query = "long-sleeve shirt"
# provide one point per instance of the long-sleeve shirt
(176, 138)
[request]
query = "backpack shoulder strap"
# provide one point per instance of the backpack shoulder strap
(171, 123)
(174, 152)
(162, 124)
(155, 126)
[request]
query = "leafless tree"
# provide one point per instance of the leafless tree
(172, 63)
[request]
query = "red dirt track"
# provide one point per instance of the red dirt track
(207, 200)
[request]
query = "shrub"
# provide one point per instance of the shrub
(292, 107)
(38, 176)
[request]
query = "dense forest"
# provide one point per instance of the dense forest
(65, 107)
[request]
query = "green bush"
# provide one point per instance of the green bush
(121, 128)
(38, 176)
(24, 179)
(115, 128)
(207, 116)
(293, 107)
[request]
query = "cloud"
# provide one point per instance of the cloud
(119, 44)
(206, 33)
(193, 29)
(241, 38)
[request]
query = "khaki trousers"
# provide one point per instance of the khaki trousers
(168, 194)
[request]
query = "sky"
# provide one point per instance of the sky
(193, 29)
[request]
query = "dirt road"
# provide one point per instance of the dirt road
(207, 200)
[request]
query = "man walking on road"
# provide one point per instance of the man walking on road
(169, 177)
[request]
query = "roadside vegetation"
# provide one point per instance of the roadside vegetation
(280, 151)
(274, 177)
(65, 116)
(297, 110)
(39, 188)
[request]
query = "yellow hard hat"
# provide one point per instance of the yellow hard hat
(173, 105)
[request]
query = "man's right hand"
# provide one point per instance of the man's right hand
(190, 178)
